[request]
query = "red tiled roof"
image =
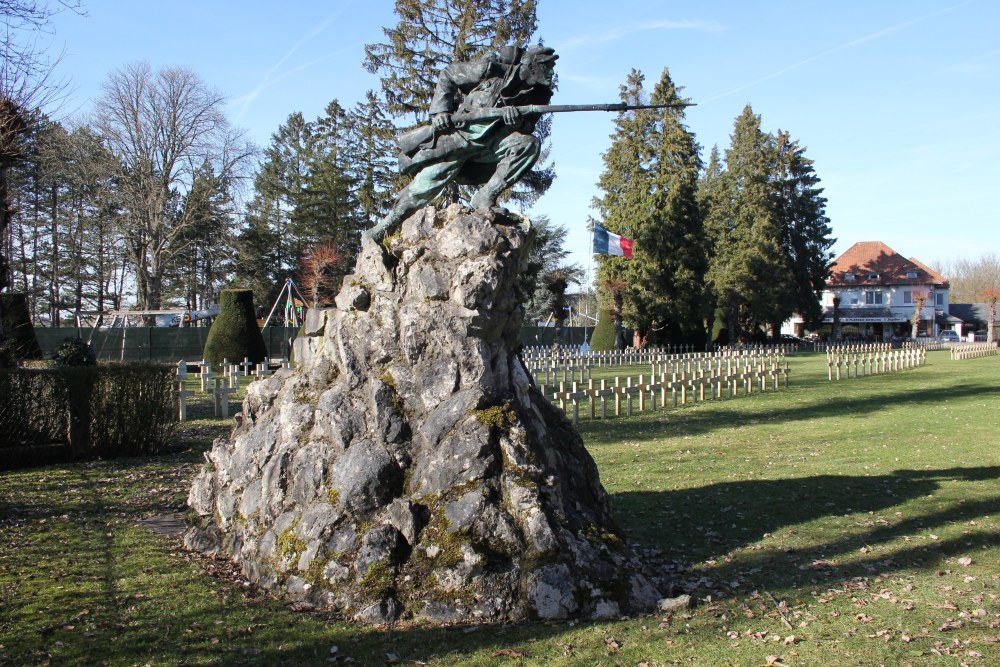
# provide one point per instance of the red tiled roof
(935, 276)
(885, 265)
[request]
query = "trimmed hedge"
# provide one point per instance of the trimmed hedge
(234, 334)
(76, 413)
(18, 331)
(603, 338)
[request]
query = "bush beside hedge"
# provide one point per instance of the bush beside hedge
(48, 415)
(234, 334)
(603, 338)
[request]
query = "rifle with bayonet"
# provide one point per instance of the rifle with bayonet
(425, 136)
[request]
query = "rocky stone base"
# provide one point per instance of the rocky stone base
(407, 467)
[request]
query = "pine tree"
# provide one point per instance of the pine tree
(625, 188)
(650, 185)
(801, 208)
(205, 262)
(328, 209)
(711, 199)
(671, 239)
(305, 194)
(749, 271)
(371, 159)
(269, 247)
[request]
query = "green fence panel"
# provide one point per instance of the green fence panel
(154, 343)
(173, 343)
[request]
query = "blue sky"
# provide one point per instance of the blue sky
(897, 102)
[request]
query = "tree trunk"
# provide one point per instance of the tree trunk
(55, 314)
(4, 222)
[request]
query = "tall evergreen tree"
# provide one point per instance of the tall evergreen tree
(371, 159)
(712, 199)
(650, 185)
(67, 252)
(268, 247)
(749, 270)
(625, 188)
(328, 209)
(671, 238)
(305, 194)
(801, 208)
(204, 263)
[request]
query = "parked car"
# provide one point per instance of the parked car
(980, 337)
(949, 336)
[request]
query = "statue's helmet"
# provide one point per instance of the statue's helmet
(539, 54)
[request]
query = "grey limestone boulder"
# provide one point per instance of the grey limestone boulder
(407, 466)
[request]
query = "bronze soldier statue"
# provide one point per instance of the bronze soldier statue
(478, 135)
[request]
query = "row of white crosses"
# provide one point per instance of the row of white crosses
(974, 350)
(221, 385)
(872, 362)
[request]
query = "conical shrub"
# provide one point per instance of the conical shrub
(18, 333)
(603, 338)
(234, 334)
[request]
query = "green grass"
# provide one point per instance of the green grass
(851, 523)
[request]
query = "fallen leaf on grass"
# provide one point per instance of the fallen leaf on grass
(965, 561)
(508, 653)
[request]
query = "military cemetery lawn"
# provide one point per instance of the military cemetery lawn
(835, 523)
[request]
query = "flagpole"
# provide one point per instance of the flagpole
(590, 284)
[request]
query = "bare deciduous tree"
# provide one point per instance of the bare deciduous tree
(162, 127)
(969, 277)
(991, 297)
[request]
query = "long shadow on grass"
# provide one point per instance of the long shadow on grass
(711, 523)
(739, 412)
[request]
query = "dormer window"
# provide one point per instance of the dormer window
(912, 275)
(872, 276)
(848, 277)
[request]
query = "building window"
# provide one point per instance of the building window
(911, 274)
(848, 277)
(908, 297)
(873, 298)
(872, 276)
(939, 298)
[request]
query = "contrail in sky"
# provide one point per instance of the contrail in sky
(269, 78)
(618, 32)
(842, 47)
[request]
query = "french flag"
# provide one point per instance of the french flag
(606, 243)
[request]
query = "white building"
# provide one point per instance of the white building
(878, 290)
